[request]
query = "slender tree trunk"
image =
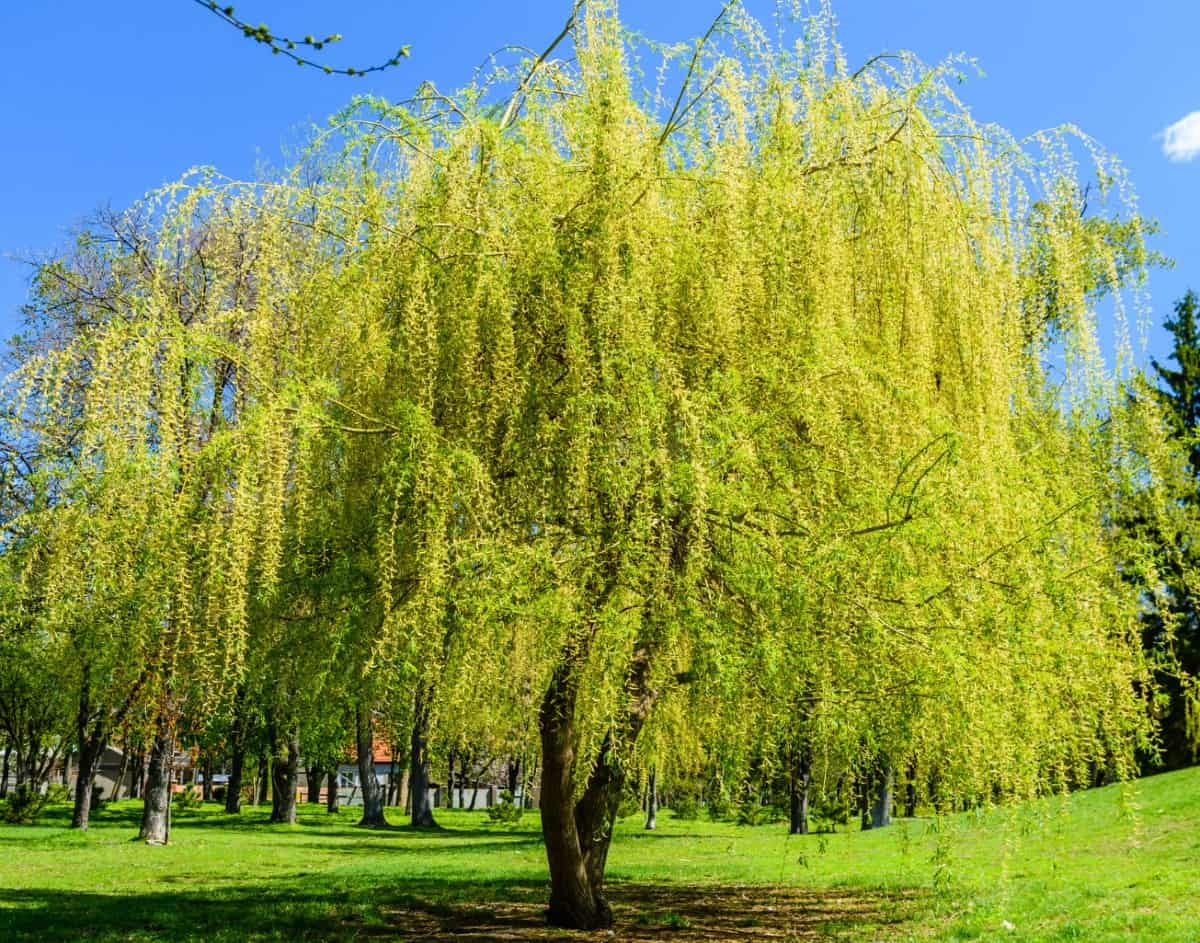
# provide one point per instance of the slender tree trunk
(313, 776)
(285, 773)
(372, 791)
(156, 805)
(801, 779)
(206, 770)
(418, 779)
(136, 773)
(90, 748)
(331, 793)
(237, 766)
(264, 779)
(4, 775)
(402, 794)
(237, 753)
(120, 781)
(450, 781)
(652, 800)
(910, 792)
(881, 799)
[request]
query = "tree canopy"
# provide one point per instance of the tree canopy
(597, 407)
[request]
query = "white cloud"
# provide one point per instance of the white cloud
(1181, 141)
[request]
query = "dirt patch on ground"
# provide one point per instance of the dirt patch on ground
(661, 912)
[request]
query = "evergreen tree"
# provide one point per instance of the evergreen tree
(1179, 390)
(1172, 625)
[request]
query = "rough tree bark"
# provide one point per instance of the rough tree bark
(372, 791)
(206, 771)
(285, 774)
(418, 777)
(402, 795)
(313, 775)
(331, 793)
(137, 774)
(264, 779)
(881, 798)
(800, 780)
(577, 833)
(237, 753)
(122, 771)
(237, 766)
(156, 804)
(92, 736)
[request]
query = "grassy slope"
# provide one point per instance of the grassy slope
(1112, 864)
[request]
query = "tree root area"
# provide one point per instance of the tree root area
(677, 912)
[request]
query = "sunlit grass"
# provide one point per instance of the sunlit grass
(1121, 863)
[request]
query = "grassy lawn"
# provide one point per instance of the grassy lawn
(1112, 864)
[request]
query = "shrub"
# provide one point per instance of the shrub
(505, 810)
(752, 812)
(188, 799)
(830, 811)
(24, 805)
(686, 808)
(630, 805)
(57, 794)
(719, 809)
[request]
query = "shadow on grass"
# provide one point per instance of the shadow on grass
(422, 911)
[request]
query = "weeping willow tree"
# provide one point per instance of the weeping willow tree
(728, 411)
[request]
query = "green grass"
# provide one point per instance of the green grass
(1121, 863)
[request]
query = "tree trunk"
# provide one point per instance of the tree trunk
(206, 790)
(4, 775)
(237, 753)
(312, 777)
(264, 779)
(137, 770)
(801, 779)
(372, 791)
(237, 766)
(450, 781)
(331, 793)
(402, 794)
(90, 748)
(881, 800)
(120, 780)
(418, 778)
(652, 801)
(576, 833)
(156, 805)
(285, 773)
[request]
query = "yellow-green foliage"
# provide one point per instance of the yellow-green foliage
(759, 394)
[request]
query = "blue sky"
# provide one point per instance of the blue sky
(102, 101)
